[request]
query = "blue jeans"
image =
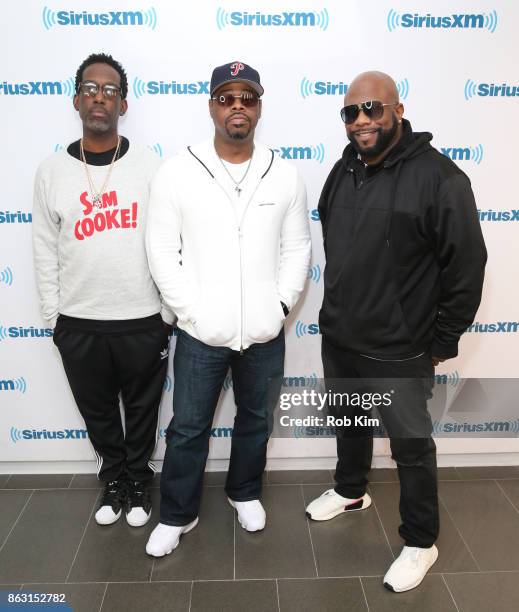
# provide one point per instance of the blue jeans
(199, 373)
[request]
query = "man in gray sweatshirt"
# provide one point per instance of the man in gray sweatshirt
(90, 205)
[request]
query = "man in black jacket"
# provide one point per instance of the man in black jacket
(405, 262)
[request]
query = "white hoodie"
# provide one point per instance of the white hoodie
(224, 268)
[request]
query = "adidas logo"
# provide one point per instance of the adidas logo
(164, 354)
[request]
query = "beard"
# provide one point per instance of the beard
(238, 133)
(384, 138)
(98, 125)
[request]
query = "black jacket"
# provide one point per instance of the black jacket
(405, 255)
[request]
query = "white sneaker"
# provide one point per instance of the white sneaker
(165, 538)
(251, 514)
(138, 504)
(408, 571)
(112, 501)
(331, 504)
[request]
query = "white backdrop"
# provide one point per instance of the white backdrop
(447, 77)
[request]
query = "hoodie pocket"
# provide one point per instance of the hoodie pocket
(216, 316)
(263, 314)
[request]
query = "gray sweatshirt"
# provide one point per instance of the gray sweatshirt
(90, 261)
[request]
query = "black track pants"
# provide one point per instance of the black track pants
(101, 360)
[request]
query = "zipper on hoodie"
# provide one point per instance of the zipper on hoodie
(240, 235)
(241, 283)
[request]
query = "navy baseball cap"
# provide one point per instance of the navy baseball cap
(236, 71)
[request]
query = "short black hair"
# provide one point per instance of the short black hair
(103, 58)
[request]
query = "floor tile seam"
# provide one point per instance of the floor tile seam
(441, 500)
(277, 595)
(506, 495)
(309, 532)
(465, 479)
(16, 521)
(287, 578)
(103, 599)
(364, 593)
(82, 536)
(382, 525)
(191, 595)
(234, 545)
(450, 593)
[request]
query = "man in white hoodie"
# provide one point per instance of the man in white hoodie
(90, 205)
(229, 248)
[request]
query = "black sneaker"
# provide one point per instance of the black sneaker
(138, 504)
(112, 502)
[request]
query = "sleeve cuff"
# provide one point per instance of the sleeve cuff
(444, 351)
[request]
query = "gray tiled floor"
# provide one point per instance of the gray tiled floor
(50, 543)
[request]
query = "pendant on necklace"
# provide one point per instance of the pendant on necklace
(238, 190)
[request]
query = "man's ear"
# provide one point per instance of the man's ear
(259, 108)
(124, 107)
(210, 104)
(399, 110)
(75, 102)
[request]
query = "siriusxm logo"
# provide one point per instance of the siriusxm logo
(46, 434)
(24, 332)
(490, 90)
(287, 381)
(504, 327)
(452, 379)
(498, 215)
(314, 273)
(339, 88)
(39, 88)
(14, 384)
(156, 148)
(474, 154)
(314, 214)
(146, 18)
(168, 383)
(309, 19)
(152, 88)
(6, 276)
(6, 216)
(302, 329)
(490, 426)
(459, 21)
(315, 152)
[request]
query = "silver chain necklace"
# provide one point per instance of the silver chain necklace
(237, 184)
(96, 194)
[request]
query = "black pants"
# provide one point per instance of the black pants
(409, 428)
(101, 360)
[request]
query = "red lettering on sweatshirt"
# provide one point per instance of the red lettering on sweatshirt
(105, 217)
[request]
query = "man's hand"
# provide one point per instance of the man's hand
(437, 360)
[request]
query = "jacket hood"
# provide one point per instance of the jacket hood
(410, 145)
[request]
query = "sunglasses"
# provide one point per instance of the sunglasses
(373, 109)
(90, 90)
(248, 99)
